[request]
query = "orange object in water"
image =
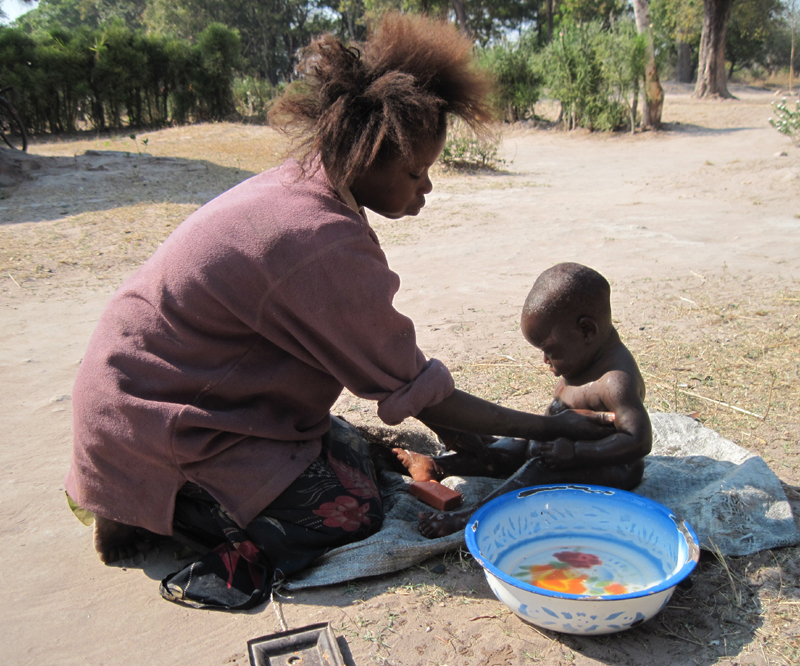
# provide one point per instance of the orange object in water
(436, 495)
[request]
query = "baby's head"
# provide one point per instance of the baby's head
(567, 315)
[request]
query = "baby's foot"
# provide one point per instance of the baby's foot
(115, 541)
(420, 467)
(434, 525)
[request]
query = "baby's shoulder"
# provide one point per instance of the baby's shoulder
(620, 383)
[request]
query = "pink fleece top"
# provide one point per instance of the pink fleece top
(219, 360)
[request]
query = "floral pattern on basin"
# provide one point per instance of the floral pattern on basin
(565, 575)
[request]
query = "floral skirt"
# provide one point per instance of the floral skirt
(334, 502)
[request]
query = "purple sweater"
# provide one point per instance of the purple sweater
(219, 360)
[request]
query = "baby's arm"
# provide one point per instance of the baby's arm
(620, 394)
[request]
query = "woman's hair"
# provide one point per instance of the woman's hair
(569, 290)
(384, 97)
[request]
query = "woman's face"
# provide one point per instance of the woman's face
(397, 188)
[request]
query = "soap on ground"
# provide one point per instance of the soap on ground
(436, 495)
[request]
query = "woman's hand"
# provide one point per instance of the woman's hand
(577, 424)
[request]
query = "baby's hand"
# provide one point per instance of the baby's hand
(559, 453)
(534, 450)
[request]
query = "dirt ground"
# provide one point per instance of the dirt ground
(697, 228)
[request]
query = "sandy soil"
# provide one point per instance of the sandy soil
(689, 225)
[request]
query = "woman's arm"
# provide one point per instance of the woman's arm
(466, 413)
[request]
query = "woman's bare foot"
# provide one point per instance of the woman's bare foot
(434, 525)
(420, 467)
(115, 541)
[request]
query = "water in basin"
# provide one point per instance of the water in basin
(584, 565)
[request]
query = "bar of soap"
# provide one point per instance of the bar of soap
(436, 495)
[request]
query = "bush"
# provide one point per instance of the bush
(573, 74)
(253, 97)
(787, 121)
(156, 89)
(624, 53)
(115, 77)
(119, 69)
(18, 69)
(594, 73)
(61, 81)
(218, 47)
(465, 149)
(180, 77)
(518, 81)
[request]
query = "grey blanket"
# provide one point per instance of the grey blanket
(728, 495)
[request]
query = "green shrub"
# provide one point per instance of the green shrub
(180, 77)
(156, 88)
(466, 149)
(518, 81)
(595, 74)
(18, 69)
(253, 97)
(624, 54)
(114, 77)
(572, 72)
(787, 121)
(60, 83)
(218, 47)
(119, 72)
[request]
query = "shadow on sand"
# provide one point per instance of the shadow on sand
(104, 180)
(699, 130)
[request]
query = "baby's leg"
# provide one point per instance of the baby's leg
(433, 525)
(502, 457)
(624, 477)
(534, 473)
(508, 454)
(422, 467)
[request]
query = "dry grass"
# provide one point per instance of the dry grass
(111, 208)
(726, 349)
(723, 348)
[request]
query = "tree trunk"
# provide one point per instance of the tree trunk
(461, 15)
(683, 72)
(711, 79)
(791, 56)
(351, 24)
(653, 92)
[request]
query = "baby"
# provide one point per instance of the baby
(567, 315)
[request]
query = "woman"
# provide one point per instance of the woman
(202, 403)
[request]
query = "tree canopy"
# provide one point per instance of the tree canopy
(272, 31)
(164, 61)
